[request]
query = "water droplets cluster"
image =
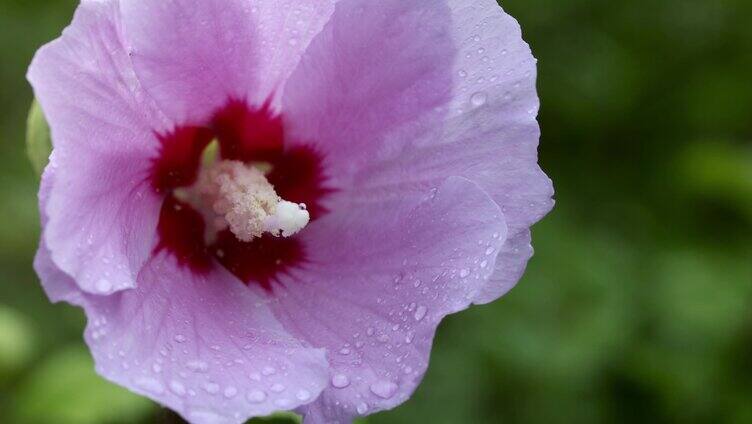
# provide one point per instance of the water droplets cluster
(173, 373)
(487, 72)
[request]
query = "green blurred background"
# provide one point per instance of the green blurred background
(638, 304)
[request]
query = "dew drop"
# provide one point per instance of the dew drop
(479, 99)
(104, 286)
(256, 396)
(197, 366)
(420, 313)
(340, 381)
(177, 387)
(362, 408)
(303, 395)
(268, 371)
(464, 273)
(384, 389)
(230, 392)
(211, 388)
(180, 338)
(150, 385)
(278, 388)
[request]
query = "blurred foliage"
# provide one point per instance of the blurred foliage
(65, 389)
(16, 342)
(638, 304)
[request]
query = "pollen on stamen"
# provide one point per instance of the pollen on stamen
(243, 200)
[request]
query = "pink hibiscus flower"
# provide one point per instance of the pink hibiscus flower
(375, 170)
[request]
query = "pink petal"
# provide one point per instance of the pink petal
(214, 331)
(193, 55)
(515, 182)
(382, 275)
(375, 67)
(490, 135)
(58, 285)
(206, 347)
(102, 214)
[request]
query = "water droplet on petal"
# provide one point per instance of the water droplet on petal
(420, 313)
(197, 366)
(303, 395)
(340, 381)
(150, 385)
(256, 396)
(384, 389)
(268, 371)
(464, 273)
(104, 286)
(479, 99)
(177, 387)
(211, 388)
(362, 408)
(230, 392)
(278, 388)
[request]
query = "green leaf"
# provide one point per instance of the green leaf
(66, 390)
(38, 142)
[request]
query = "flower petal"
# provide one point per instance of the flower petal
(194, 55)
(375, 66)
(206, 347)
(102, 214)
(490, 135)
(58, 285)
(382, 274)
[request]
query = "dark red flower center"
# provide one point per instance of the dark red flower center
(251, 136)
